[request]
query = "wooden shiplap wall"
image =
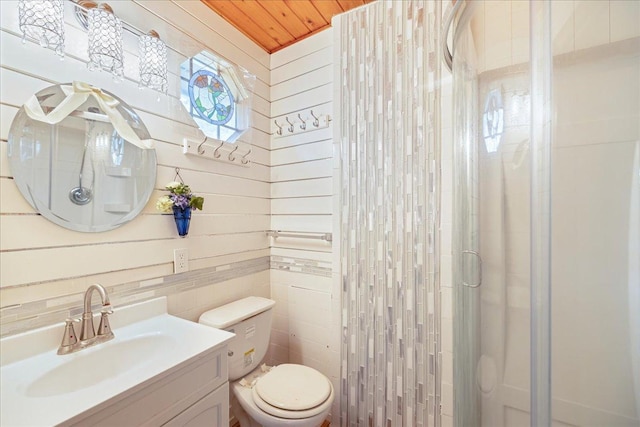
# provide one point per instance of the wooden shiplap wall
(302, 201)
(40, 260)
(289, 185)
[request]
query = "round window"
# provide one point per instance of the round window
(211, 97)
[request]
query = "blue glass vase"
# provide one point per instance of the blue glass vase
(182, 218)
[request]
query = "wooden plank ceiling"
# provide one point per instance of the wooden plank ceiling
(275, 24)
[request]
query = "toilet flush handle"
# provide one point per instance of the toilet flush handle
(230, 353)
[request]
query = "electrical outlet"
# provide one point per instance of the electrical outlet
(180, 260)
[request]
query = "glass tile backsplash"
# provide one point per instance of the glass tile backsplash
(389, 153)
(35, 314)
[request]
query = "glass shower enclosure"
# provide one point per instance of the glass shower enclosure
(546, 243)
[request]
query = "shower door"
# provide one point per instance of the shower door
(547, 213)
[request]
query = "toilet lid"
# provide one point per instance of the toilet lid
(293, 387)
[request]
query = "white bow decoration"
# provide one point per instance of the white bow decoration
(76, 95)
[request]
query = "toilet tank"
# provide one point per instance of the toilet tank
(250, 319)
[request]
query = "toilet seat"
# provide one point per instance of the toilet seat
(293, 392)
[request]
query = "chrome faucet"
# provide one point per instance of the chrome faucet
(88, 337)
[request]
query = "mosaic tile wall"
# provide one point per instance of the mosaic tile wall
(34, 314)
(389, 126)
(301, 265)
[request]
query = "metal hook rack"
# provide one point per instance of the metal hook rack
(223, 152)
(309, 123)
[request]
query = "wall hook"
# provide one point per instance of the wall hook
(303, 123)
(244, 158)
(215, 153)
(316, 121)
(290, 128)
(231, 156)
(200, 148)
(279, 131)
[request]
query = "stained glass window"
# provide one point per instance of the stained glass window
(213, 93)
(211, 97)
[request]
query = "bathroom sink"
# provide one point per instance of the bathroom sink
(40, 387)
(106, 364)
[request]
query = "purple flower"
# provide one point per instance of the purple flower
(180, 201)
(180, 196)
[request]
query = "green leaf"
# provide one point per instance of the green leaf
(196, 202)
(199, 104)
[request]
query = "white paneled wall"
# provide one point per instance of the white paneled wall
(301, 191)
(40, 260)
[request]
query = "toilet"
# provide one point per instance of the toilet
(285, 395)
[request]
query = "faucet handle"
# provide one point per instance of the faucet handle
(69, 339)
(104, 329)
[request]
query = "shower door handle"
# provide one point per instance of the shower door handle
(475, 285)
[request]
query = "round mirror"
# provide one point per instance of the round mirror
(80, 173)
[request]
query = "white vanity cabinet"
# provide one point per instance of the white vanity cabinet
(194, 393)
(211, 410)
(158, 370)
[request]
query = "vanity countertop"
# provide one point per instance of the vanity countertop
(39, 387)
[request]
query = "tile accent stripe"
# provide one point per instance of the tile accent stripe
(22, 317)
(301, 265)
